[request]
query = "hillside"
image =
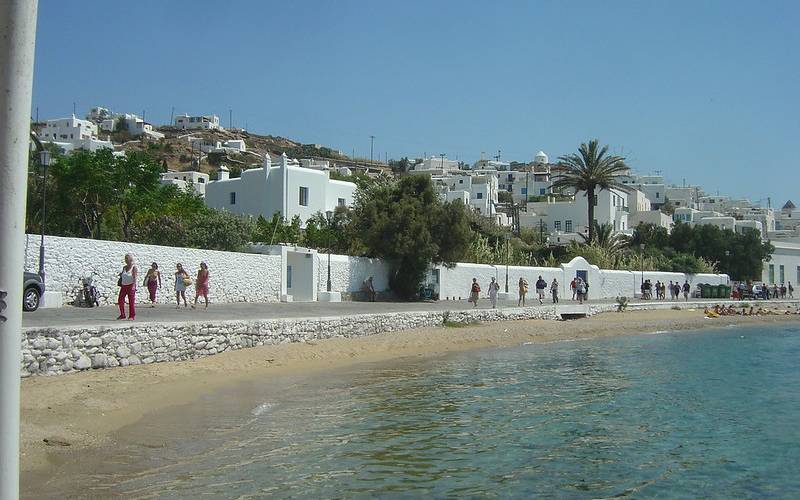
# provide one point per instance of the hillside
(176, 151)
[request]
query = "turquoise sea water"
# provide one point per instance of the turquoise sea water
(673, 415)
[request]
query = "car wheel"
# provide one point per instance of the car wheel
(30, 300)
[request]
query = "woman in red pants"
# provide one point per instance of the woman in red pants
(127, 283)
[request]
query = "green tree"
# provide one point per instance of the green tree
(136, 187)
(405, 223)
(590, 170)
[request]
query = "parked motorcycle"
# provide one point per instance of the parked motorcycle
(89, 297)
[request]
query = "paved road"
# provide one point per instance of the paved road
(76, 316)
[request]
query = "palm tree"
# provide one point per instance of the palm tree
(589, 170)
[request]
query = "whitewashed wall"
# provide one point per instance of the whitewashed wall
(247, 277)
(349, 273)
(235, 277)
(604, 284)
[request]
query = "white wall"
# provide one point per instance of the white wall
(788, 256)
(247, 277)
(235, 277)
(603, 284)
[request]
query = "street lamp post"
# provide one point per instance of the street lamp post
(44, 159)
(329, 217)
(508, 239)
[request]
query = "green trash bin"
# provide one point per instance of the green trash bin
(726, 291)
(713, 292)
(706, 291)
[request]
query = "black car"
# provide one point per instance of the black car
(32, 291)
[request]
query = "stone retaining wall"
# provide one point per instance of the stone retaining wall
(53, 351)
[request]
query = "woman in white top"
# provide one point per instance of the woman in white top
(181, 278)
(127, 288)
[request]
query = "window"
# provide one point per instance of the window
(510, 177)
(201, 180)
(658, 195)
(798, 275)
(303, 196)
(524, 190)
(542, 190)
(289, 277)
(780, 274)
(568, 226)
(341, 202)
(480, 196)
(461, 181)
(233, 197)
(557, 225)
(771, 273)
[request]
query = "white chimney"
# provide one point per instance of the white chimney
(224, 173)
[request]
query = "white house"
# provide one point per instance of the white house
(435, 163)
(284, 188)
(73, 133)
(784, 266)
(571, 216)
(655, 217)
(132, 123)
(207, 122)
(477, 191)
(188, 180)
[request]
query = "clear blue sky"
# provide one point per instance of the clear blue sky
(706, 91)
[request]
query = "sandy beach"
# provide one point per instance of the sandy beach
(65, 416)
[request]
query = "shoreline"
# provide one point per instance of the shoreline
(86, 409)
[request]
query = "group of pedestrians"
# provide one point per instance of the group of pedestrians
(660, 288)
(579, 289)
(129, 276)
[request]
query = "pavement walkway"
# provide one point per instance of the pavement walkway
(106, 315)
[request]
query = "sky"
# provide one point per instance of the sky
(704, 92)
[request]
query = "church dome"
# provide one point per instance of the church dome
(541, 158)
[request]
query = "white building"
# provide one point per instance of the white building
(784, 266)
(73, 133)
(207, 122)
(436, 164)
(788, 218)
(572, 216)
(186, 181)
(315, 164)
(98, 114)
(655, 217)
(132, 123)
(478, 192)
(286, 189)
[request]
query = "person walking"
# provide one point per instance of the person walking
(201, 285)
(790, 288)
(523, 291)
(182, 280)
(573, 288)
(494, 287)
(152, 281)
(554, 290)
(580, 288)
(541, 285)
(370, 286)
(474, 292)
(127, 288)
(686, 289)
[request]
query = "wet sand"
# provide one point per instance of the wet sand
(66, 417)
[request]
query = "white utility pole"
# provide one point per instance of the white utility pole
(17, 40)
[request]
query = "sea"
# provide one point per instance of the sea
(711, 413)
